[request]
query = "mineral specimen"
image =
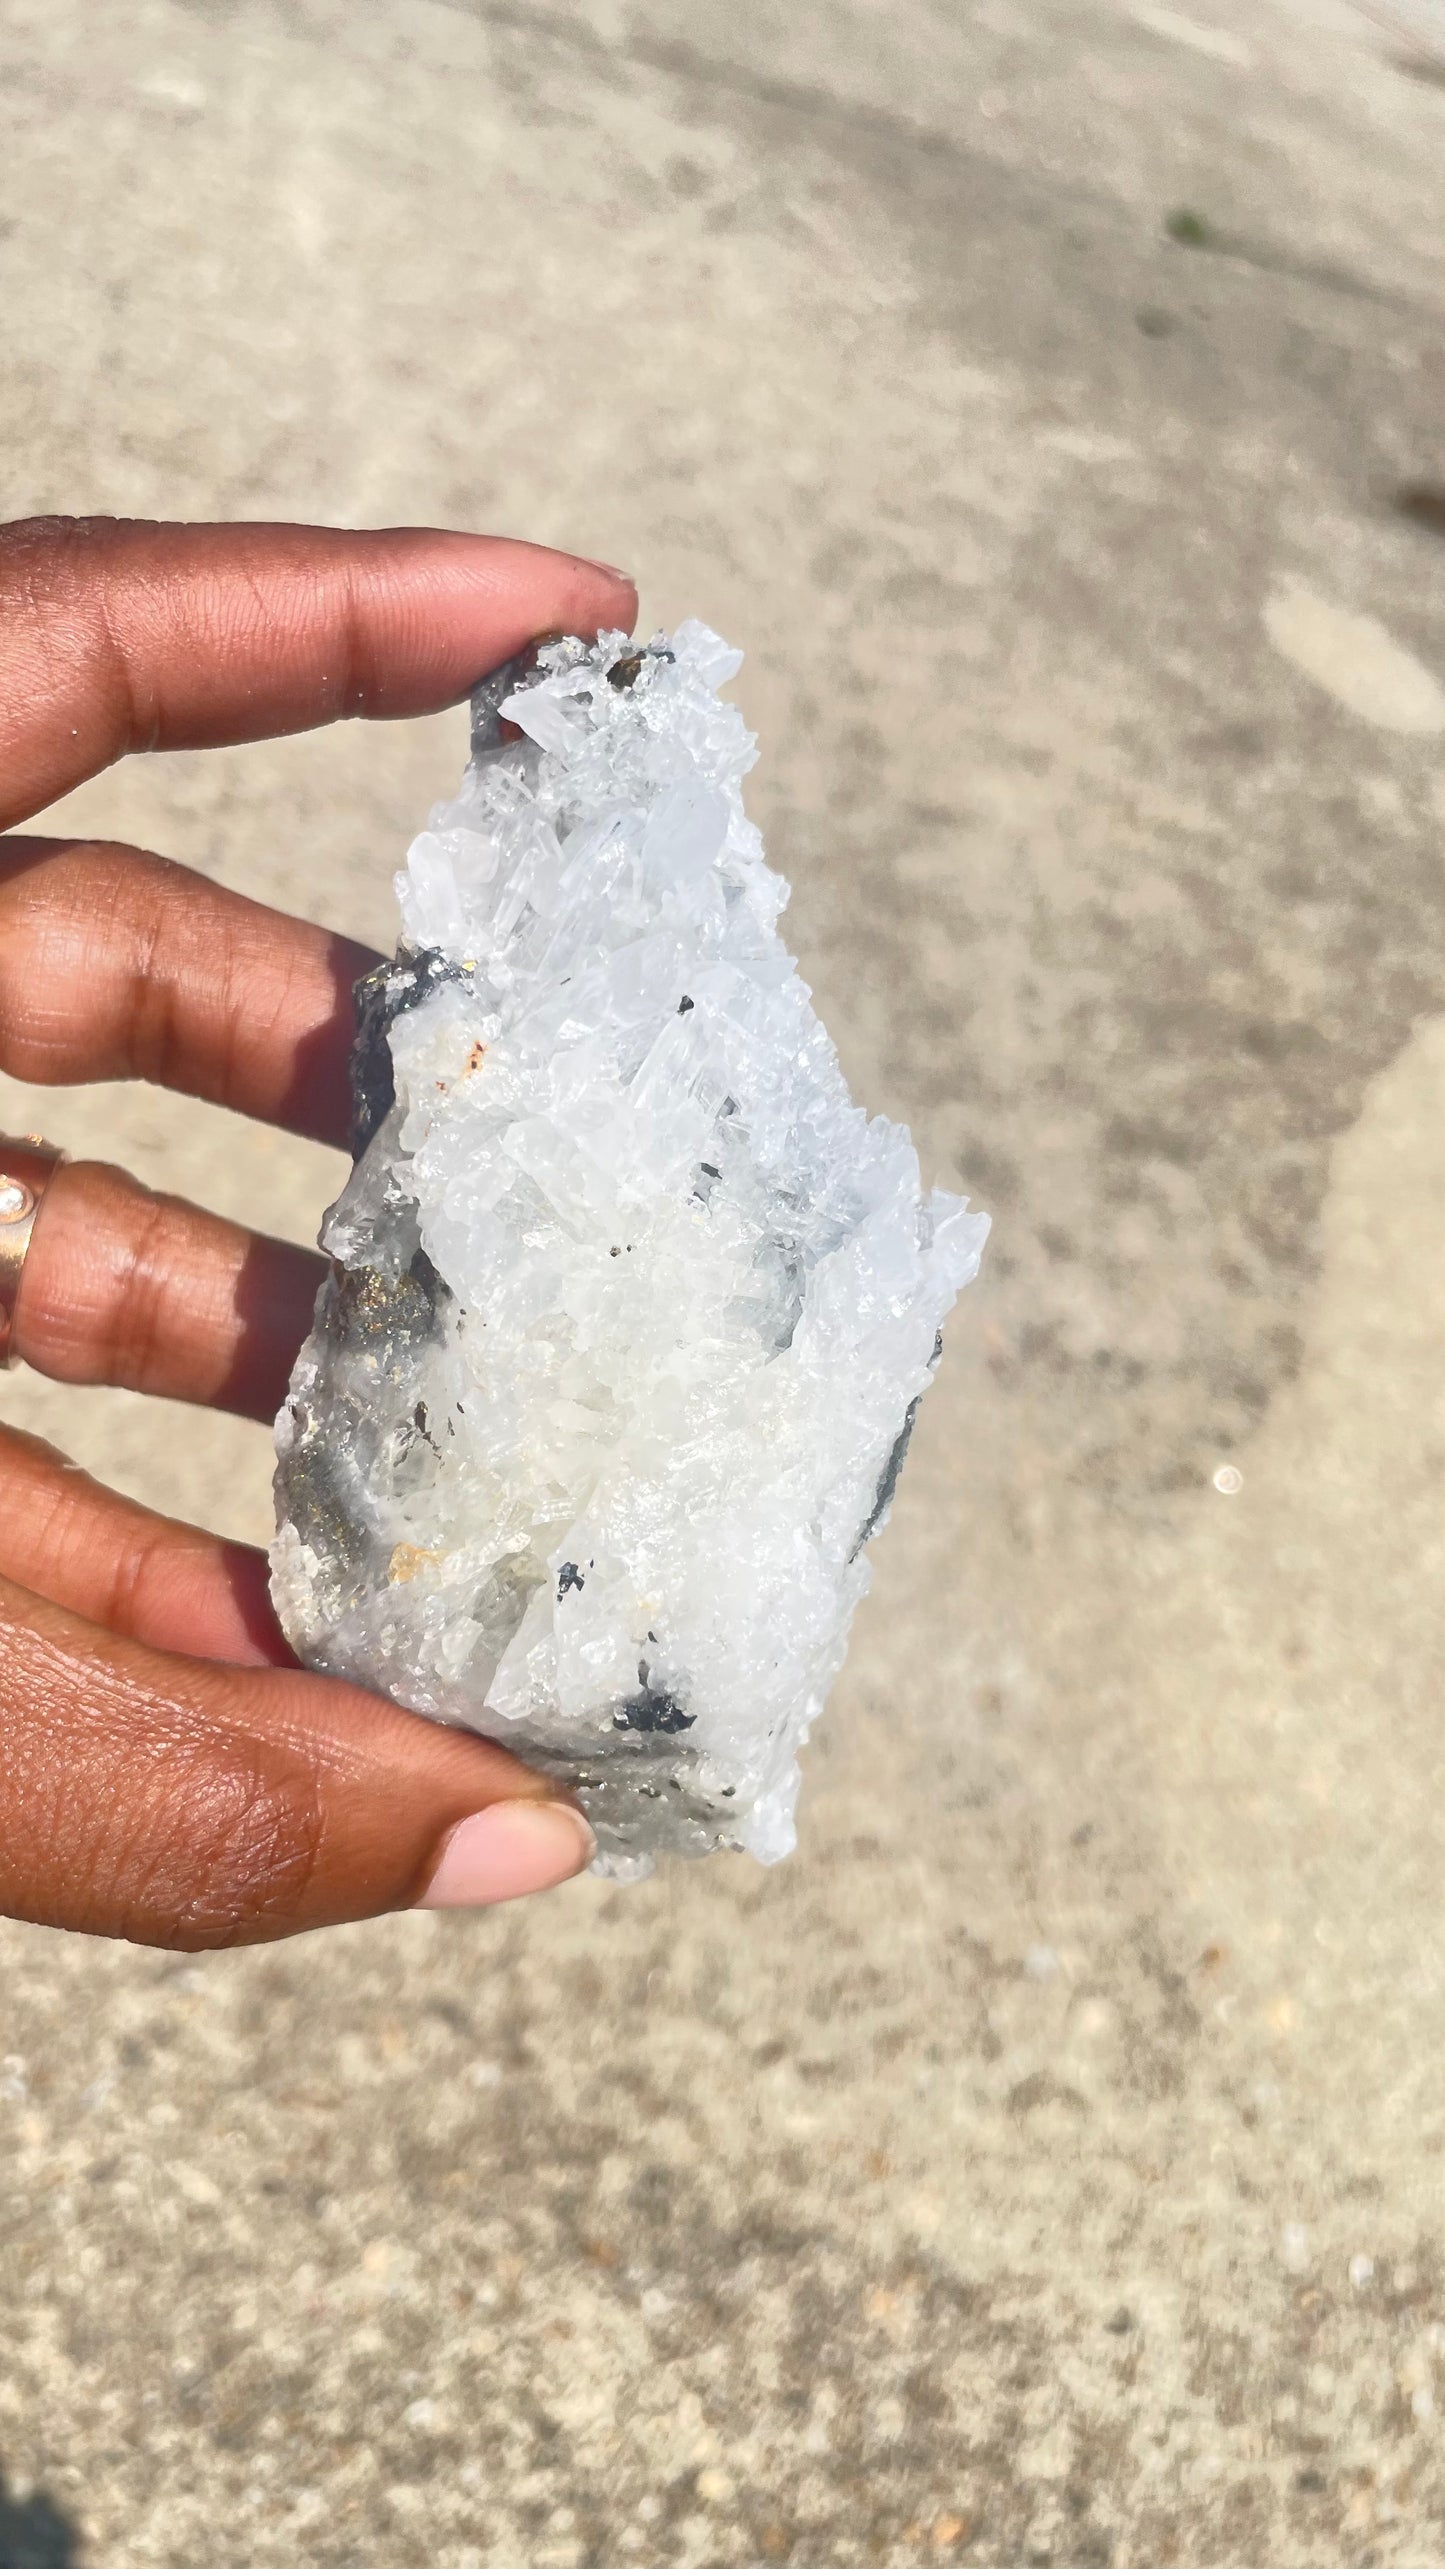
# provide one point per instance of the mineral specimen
(630, 1307)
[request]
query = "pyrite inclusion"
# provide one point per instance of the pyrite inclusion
(630, 1307)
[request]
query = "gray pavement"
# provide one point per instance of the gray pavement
(1046, 2165)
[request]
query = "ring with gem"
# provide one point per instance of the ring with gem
(27, 1165)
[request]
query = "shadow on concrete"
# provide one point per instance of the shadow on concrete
(34, 2534)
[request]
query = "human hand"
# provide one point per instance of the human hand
(167, 1773)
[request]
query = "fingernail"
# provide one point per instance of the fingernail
(610, 568)
(506, 1850)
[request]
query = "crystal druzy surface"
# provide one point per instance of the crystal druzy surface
(630, 1307)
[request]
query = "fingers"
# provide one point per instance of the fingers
(65, 1537)
(127, 1287)
(178, 1803)
(118, 965)
(120, 635)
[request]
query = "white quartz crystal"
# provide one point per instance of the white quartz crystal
(630, 1305)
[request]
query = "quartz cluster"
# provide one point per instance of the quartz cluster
(630, 1307)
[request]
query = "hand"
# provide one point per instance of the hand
(167, 1773)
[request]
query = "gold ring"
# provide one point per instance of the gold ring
(27, 1166)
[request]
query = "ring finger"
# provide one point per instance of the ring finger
(117, 964)
(127, 1287)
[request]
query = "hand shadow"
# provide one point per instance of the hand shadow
(34, 2534)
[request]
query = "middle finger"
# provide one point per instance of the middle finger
(115, 964)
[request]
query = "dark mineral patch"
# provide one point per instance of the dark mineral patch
(888, 1478)
(626, 671)
(490, 730)
(389, 1316)
(318, 1501)
(382, 996)
(652, 1710)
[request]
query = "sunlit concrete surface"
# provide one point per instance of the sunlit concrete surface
(1048, 2164)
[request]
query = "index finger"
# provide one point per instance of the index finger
(117, 634)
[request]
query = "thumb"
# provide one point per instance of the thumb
(179, 1802)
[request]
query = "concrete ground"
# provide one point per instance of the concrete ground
(1048, 2164)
